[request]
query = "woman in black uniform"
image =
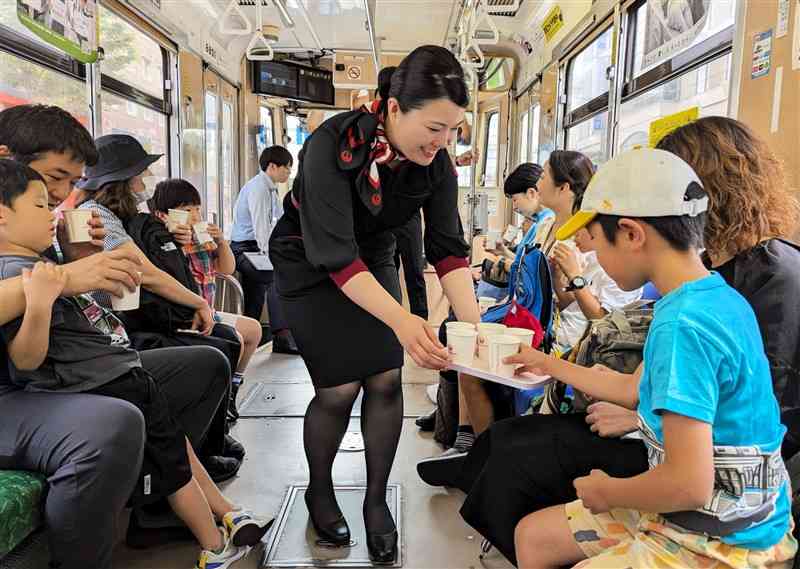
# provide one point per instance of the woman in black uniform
(361, 174)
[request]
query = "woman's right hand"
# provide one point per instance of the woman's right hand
(419, 340)
(182, 233)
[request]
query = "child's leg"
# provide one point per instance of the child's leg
(250, 331)
(544, 539)
(190, 504)
(211, 495)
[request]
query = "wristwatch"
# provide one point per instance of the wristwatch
(577, 283)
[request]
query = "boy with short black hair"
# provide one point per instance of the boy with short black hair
(73, 345)
(717, 492)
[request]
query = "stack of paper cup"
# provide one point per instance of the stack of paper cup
(461, 342)
(128, 301)
(485, 303)
(201, 232)
(525, 336)
(501, 347)
(177, 217)
(78, 225)
(486, 329)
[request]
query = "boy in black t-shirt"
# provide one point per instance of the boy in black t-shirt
(73, 345)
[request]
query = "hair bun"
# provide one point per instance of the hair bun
(385, 81)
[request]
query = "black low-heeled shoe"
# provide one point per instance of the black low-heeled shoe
(382, 547)
(335, 533)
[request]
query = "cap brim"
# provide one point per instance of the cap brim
(93, 184)
(574, 224)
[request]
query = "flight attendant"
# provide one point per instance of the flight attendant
(362, 174)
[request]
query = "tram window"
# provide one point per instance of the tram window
(706, 87)
(131, 56)
(721, 15)
(491, 149)
(212, 154)
(587, 72)
(8, 18)
(265, 138)
(121, 116)
(463, 144)
(227, 166)
(297, 134)
(535, 114)
(23, 82)
(524, 133)
(590, 137)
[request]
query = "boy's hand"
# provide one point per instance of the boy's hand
(566, 259)
(532, 361)
(592, 491)
(609, 420)
(43, 284)
(182, 234)
(215, 232)
(75, 251)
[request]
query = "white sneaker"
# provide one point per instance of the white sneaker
(245, 528)
(432, 390)
(229, 555)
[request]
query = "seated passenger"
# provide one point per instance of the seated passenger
(517, 466)
(704, 397)
(73, 345)
(114, 187)
(205, 261)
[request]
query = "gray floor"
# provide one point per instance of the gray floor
(435, 536)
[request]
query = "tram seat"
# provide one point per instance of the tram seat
(21, 503)
(230, 295)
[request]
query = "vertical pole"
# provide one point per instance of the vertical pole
(473, 191)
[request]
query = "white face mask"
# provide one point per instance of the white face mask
(149, 189)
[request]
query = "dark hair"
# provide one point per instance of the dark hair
(573, 168)
(682, 232)
(173, 193)
(385, 79)
(31, 130)
(119, 198)
(428, 73)
(523, 177)
(749, 199)
(14, 180)
(277, 155)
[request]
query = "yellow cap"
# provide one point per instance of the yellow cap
(574, 224)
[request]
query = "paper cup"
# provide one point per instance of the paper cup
(129, 301)
(201, 232)
(463, 325)
(77, 221)
(485, 303)
(525, 336)
(177, 217)
(461, 342)
(511, 233)
(486, 329)
(492, 239)
(501, 347)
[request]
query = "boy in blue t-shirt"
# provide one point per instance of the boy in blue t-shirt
(717, 491)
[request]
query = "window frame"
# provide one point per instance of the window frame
(599, 103)
(31, 51)
(485, 154)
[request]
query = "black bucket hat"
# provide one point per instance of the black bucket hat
(121, 158)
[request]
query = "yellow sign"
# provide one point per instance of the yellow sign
(660, 128)
(553, 22)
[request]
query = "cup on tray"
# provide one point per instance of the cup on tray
(77, 221)
(177, 217)
(501, 347)
(525, 336)
(461, 342)
(486, 329)
(464, 325)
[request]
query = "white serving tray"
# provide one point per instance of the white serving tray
(480, 368)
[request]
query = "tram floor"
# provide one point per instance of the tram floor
(435, 536)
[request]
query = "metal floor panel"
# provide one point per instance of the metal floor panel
(293, 541)
(267, 399)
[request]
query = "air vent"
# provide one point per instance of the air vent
(508, 8)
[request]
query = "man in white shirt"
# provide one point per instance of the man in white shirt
(258, 208)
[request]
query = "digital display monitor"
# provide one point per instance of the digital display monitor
(293, 81)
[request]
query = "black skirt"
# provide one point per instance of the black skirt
(339, 341)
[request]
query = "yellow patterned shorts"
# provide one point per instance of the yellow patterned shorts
(623, 539)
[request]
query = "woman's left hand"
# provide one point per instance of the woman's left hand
(215, 232)
(567, 260)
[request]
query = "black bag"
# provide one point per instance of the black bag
(156, 313)
(446, 424)
(496, 274)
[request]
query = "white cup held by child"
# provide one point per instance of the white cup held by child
(525, 336)
(77, 221)
(501, 347)
(177, 217)
(201, 232)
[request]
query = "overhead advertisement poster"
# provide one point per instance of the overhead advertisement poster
(69, 25)
(672, 26)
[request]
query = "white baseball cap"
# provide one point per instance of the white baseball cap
(645, 182)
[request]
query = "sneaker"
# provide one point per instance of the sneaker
(442, 470)
(233, 449)
(221, 468)
(427, 423)
(432, 390)
(245, 528)
(229, 555)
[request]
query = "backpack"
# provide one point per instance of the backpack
(156, 313)
(615, 341)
